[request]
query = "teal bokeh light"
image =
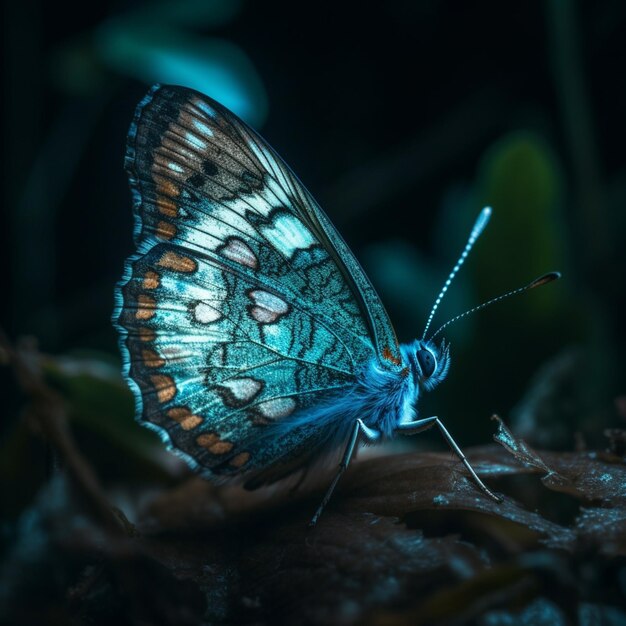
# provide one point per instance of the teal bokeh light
(161, 54)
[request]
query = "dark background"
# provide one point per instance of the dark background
(403, 120)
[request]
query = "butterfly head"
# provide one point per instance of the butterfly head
(428, 362)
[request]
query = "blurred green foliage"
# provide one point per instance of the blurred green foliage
(100, 410)
(520, 177)
(98, 398)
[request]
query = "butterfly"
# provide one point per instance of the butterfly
(253, 341)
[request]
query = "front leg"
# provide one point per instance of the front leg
(359, 428)
(418, 426)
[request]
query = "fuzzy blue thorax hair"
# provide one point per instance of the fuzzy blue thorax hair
(382, 398)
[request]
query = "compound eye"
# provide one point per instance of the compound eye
(427, 362)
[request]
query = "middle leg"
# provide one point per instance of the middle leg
(418, 426)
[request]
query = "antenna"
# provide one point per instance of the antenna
(479, 225)
(538, 282)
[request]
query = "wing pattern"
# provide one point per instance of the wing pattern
(243, 305)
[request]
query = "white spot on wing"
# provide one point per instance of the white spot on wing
(238, 251)
(205, 314)
(288, 234)
(276, 408)
(243, 389)
(268, 307)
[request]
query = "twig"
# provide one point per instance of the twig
(48, 411)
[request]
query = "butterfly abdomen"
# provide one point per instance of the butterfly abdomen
(381, 398)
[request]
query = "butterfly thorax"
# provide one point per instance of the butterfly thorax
(385, 397)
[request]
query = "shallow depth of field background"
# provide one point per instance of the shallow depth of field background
(403, 121)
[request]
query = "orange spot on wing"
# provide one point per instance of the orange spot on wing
(146, 307)
(146, 334)
(387, 354)
(152, 359)
(186, 419)
(151, 280)
(165, 230)
(240, 460)
(166, 191)
(167, 206)
(166, 187)
(177, 263)
(212, 442)
(221, 447)
(207, 439)
(165, 387)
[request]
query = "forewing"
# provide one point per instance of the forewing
(205, 180)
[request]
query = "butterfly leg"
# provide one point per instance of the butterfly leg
(359, 429)
(418, 426)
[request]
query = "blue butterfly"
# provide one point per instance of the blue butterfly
(253, 341)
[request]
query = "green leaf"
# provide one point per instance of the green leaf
(521, 179)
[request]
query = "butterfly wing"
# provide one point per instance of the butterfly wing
(243, 305)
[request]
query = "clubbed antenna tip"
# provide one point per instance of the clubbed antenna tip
(545, 279)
